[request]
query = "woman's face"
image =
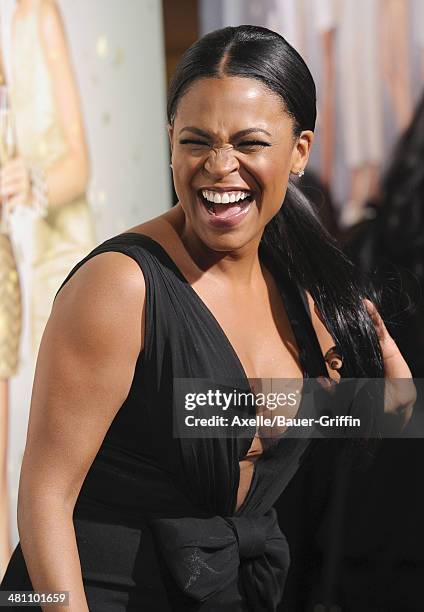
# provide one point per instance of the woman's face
(232, 152)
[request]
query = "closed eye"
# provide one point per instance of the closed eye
(254, 143)
(195, 142)
(245, 143)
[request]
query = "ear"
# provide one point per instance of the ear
(301, 150)
(170, 129)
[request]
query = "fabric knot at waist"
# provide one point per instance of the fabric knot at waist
(205, 555)
(251, 535)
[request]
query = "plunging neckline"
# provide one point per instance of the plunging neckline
(300, 346)
(217, 324)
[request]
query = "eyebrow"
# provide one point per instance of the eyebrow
(239, 134)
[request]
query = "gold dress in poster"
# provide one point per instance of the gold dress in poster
(10, 309)
(66, 234)
(10, 288)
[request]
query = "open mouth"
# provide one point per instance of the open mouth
(225, 204)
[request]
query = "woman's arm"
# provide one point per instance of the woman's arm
(84, 371)
(68, 177)
(400, 392)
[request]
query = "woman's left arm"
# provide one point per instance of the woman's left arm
(68, 177)
(400, 393)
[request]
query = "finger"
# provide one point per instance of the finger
(388, 345)
(14, 184)
(13, 174)
(13, 164)
(12, 189)
(377, 320)
(395, 365)
(324, 381)
(327, 383)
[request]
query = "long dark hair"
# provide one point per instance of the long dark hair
(295, 237)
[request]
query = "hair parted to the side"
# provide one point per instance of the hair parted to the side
(295, 237)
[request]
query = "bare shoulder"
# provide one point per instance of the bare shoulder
(84, 372)
(105, 296)
(164, 228)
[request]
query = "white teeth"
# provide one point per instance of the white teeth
(225, 197)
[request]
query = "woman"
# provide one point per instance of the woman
(51, 170)
(131, 517)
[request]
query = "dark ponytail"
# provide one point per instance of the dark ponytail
(295, 237)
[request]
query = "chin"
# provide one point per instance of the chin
(226, 241)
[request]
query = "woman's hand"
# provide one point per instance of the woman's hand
(399, 390)
(15, 183)
(400, 393)
(395, 365)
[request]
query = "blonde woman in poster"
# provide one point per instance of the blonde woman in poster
(51, 170)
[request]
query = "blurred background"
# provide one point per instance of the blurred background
(82, 110)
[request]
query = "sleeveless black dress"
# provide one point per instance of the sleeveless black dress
(155, 519)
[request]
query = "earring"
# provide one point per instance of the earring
(301, 173)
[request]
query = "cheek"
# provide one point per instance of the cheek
(183, 174)
(274, 175)
(185, 167)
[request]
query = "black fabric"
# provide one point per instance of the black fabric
(155, 520)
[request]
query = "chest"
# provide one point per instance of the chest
(259, 331)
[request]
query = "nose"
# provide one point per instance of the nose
(221, 162)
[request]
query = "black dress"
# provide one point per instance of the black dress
(155, 519)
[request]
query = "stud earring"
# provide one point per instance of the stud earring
(301, 173)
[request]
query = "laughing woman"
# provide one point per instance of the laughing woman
(131, 517)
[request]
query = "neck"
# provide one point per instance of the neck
(240, 267)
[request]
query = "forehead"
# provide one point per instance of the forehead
(231, 102)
